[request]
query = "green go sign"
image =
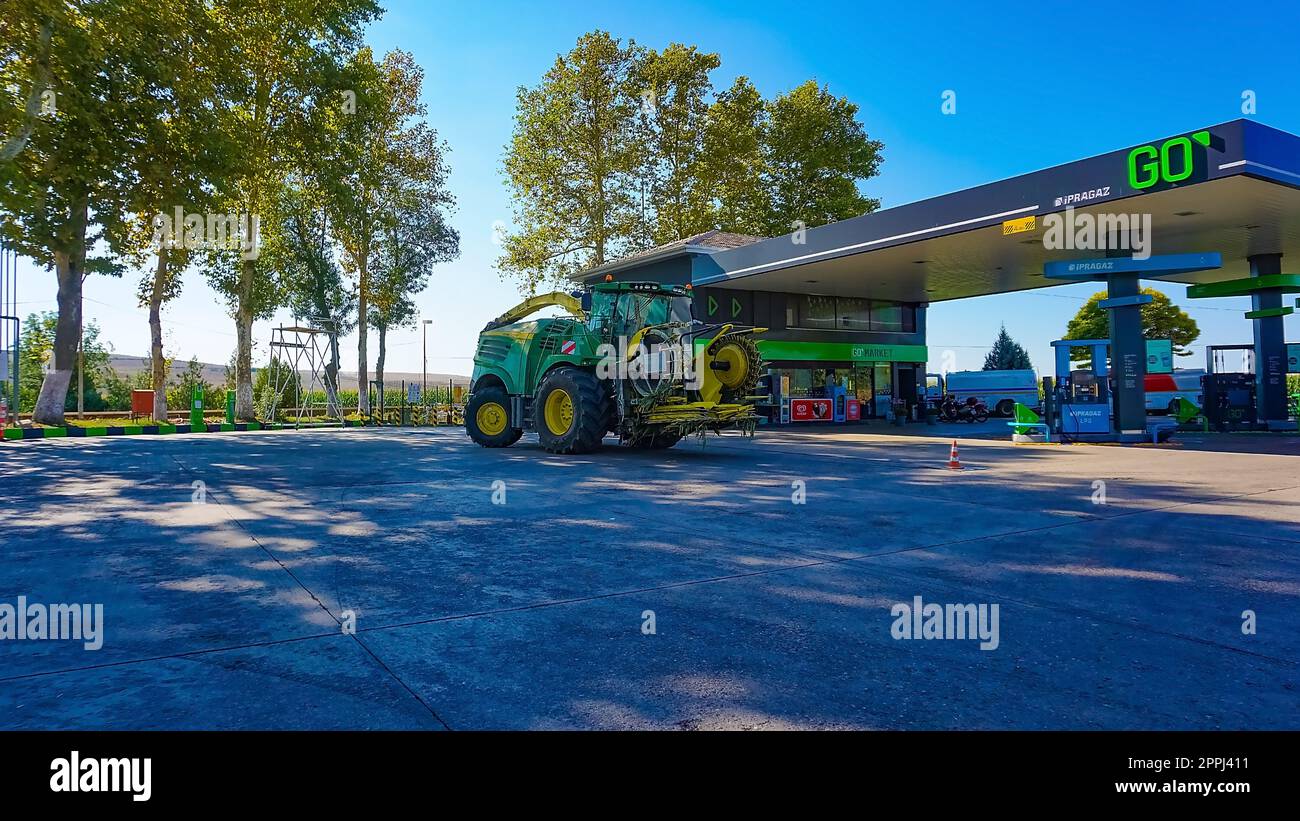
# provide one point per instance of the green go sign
(1172, 162)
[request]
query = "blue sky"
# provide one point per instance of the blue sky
(1036, 86)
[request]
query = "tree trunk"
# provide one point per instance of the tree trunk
(363, 386)
(158, 365)
(379, 362)
(244, 407)
(69, 265)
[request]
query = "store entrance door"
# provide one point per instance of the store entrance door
(859, 386)
(907, 385)
(882, 388)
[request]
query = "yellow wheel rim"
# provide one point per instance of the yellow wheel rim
(738, 364)
(491, 418)
(558, 412)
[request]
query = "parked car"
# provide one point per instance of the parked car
(999, 390)
(1165, 389)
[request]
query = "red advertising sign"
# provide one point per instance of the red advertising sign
(852, 410)
(811, 410)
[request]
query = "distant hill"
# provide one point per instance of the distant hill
(216, 374)
(128, 365)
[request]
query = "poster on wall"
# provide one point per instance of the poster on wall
(811, 410)
(1160, 356)
(1293, 357)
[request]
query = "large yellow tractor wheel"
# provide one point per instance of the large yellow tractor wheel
(734, 365)
(487, 419)
(571, 411)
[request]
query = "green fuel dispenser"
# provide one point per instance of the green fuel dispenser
(196, 409)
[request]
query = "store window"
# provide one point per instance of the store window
(886, 316)
(798, 380)
(854, 314)
(814, 311)
(817, 312)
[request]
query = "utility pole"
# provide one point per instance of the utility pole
(424, 360)
(81, 375)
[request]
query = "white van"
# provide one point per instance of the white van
(999, 390)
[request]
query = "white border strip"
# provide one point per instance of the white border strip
(791, 260)
(1227, 165)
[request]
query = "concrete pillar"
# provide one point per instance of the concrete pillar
(1270, 346)
(1128, 353)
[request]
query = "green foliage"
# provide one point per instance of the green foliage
(276, 374)
(674, 86)
(620, 148)
(814, 152)
(574, 164)
(100, 61)
(34, 355)
(181, 390)
(1007, 354)
(416, 237)
(300, 249)
(288, 59)
(117, 388)
(393, 397)
(734, 167)
(1161, 319)
(383, 187)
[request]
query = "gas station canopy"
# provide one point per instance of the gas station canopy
(1233, 189)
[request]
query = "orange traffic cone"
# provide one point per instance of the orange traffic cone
(954, 463)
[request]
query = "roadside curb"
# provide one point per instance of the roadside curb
(76, 432)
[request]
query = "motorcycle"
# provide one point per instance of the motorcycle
(970, 411)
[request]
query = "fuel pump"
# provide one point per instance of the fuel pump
(1084, 403)
(1081, 399)
(1229, 395)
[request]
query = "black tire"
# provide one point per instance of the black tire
(487, 397)
(979, 416)
(590, 411)
(1006, 407)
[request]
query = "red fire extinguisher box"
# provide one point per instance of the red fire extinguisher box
(142, 403)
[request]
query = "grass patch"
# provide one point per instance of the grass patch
(100, 423)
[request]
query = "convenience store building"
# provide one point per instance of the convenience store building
(851, 297)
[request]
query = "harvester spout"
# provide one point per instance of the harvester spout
(534, 304)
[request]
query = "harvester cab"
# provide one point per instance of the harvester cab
(629, 359)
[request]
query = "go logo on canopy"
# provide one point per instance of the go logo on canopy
(1173, 162)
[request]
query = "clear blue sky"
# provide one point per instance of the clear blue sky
(1036, 85)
